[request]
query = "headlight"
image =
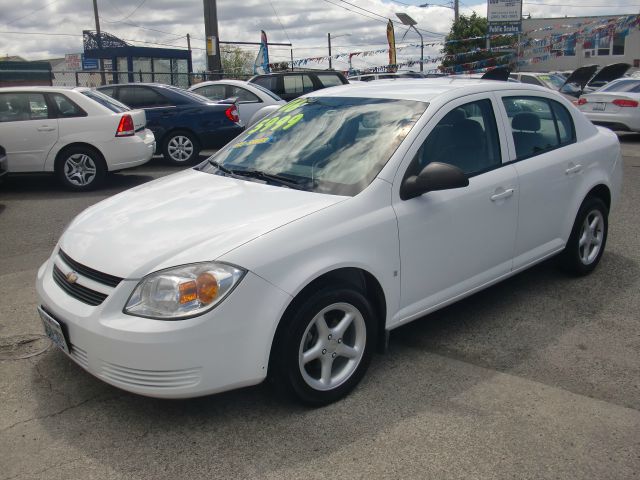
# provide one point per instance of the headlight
(182, 292)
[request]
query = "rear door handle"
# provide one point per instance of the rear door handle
(502, 195)
(574, 169)
(46, 128)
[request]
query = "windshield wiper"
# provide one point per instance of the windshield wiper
(280, 179)
(221, 167)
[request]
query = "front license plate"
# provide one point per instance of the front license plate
(599, 107)
(53, 329)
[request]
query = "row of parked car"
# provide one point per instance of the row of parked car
(80, 134)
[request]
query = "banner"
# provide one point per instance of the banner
(391, 38)
(261, 64)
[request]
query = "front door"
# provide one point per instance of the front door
(26, 131)
(455, 241)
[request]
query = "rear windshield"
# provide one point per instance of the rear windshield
(334, 145)
(106, 101)
(632, 86)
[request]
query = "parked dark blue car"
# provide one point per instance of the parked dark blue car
(182, 122)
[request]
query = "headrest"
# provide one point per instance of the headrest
(471, 133)
(526, 121)
(455, 116)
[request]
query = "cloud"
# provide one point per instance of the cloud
(304, 22)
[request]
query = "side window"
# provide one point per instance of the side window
(329, 80)
(307, 84)
(141, 97)
(66, 107)
(536, 127)
(293, 84)
(16, 107)
(244, 95)
(108, 91)
(270, 83)
(466, 137)
(566, 129)
(213, 92)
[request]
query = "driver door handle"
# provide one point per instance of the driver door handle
(46, 128)
(502, 195)
(574, 169)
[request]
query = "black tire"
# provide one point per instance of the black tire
(582, 259)
(286, 370)
(80, 168)
(180, 148)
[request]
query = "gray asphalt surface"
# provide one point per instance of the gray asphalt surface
(537, 377)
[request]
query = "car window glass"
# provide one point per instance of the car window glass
(530, 79)
(244, 95)
(292, 84)
(267, 92)
(566, 129)
(623, 86)
(532, 124)
(141, 97)
(466, 137)
(270, 83)
(307, 84)
(329, 80)
(106, 101)
(66, 108)
(213, 92)
(16, 107)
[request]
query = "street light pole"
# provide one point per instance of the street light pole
(411, 23)
(421, 49)
(329, 41)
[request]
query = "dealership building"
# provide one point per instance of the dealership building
(561, 44)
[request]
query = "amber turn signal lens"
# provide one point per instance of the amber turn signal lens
(207, 288)
(188, 292)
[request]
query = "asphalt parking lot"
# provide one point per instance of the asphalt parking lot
(537, 377)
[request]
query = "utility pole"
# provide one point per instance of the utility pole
(214, 63)
(103, 80)
(329, 41)
(456, 10)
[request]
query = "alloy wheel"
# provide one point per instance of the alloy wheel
(180, 148)
(80, 169)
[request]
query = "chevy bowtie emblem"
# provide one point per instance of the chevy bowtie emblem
(72, 277)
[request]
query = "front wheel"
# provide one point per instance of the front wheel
(588, 238)
(180, 148)
(325, 347)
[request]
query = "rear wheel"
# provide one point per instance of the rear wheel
(588, 237)
(80, 168)
(326, 346)
(180, 148)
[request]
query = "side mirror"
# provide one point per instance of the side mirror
(435, 176)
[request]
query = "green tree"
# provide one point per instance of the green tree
(468, 27)
(236, 62)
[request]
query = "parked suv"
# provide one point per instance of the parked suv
(291, 85)
(182, 122)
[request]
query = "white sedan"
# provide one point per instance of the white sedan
(251, 97)
(616, 105)
(79, 134)
(294, 250)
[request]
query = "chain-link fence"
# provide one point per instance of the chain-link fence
(11, 78)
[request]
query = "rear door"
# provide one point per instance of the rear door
(159, 110)
(28, 130)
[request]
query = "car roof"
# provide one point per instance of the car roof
(240, 83)
(421, 89)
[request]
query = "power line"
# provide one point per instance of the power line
(31, 13)
(279, 21)
(132, 11)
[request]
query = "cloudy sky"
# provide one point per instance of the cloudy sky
(39, 29)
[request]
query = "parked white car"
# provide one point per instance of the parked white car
(251, 97)
(616, 105)
(294, 250)
(78, 133)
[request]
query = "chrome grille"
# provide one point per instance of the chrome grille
(90, 273)
(77, 291)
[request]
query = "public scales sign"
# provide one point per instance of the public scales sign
(505, 16)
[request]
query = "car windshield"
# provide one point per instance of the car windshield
(632, 86)
(106, 101)
(552, 81)
(334, 145)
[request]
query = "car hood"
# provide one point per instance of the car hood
(187, 217)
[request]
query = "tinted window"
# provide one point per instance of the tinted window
(16, 107)
(530, 80)
(270, 83)
(107, 91)
(329, 144)
(307, 84)
(329, 80)
(141, 97)
(466, 137)
(66, 108)
(106, 101)
(292, 83)
(212, 92)
(534, 126)
(244, 95)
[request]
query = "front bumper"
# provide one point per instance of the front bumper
(223, 349)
